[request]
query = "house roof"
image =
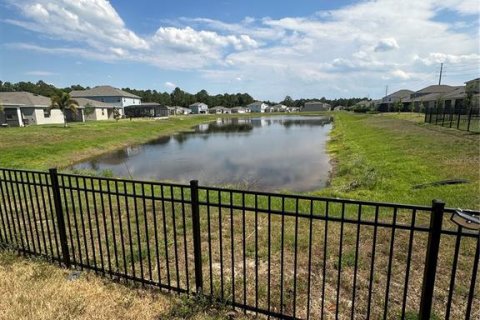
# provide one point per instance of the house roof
(198, 104)
(22, 98)
(82, 102)
(238, 108)
(427, 97)
(437, 89)
(102, 91)
(458, 93)
(315, 102)
(256, 103)
(404, 93)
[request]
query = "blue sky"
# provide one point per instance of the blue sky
(269, 49)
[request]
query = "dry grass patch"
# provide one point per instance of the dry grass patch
(35, 289)
(38, 290)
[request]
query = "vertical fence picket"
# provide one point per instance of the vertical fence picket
(284, 241)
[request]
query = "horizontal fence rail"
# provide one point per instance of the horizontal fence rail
(286, 256)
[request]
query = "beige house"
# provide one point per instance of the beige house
(24, 108)
(99, 110)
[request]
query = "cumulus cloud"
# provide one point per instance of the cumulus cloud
(353, 48)
(386, 44)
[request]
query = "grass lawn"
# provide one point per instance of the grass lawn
(382, 157)
(377, 157)
(35, 289)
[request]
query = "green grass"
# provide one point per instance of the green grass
(377, 157)
(382, 157)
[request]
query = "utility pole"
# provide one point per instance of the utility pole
(440, 78)
(386, 90)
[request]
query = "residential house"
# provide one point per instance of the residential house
(257, 106)
(218, 110)
(110, 95)
(293, 109)
(91, 110)
(177, 110)
(147, 109)
(280, 108)
(387, 103)
(239, 110)
(198, 108)
(24, 108)
(429, 97)
(270, 109)
(315, 106)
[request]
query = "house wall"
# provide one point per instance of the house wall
(316, 107)
(101, 113)
(56, 116)
(257, 107)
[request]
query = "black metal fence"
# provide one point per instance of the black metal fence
(461, 118)
(286, 256)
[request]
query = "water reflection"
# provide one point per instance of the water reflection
(263, 153)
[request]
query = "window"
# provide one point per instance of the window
(46, 113)
(119, 100)
(9, 116)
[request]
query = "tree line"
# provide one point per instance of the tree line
(177, 97)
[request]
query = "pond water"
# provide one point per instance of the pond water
(258, 153)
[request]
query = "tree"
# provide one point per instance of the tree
(116, 114)
(398, 105)
(89, 109)
(64, 102)
(288, 101)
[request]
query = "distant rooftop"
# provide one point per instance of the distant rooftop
(102, 91)
(437, 89)
(22, 98)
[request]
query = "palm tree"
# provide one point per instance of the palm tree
(64, 102)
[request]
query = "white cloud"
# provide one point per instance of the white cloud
(355, 48)
(40, 73)
(170, 85)
(386, 44)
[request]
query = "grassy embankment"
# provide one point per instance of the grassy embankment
(382, 157)
(378, 157)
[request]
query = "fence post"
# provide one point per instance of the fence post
(197, 246)
(426, 113)
(60, 219)
(431, 259)
(469, 118)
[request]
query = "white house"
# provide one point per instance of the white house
(25, 108)
(99, 110)
(219, 110)
(198, 108)
(280, 108)
(257, 106)
(110, 95)
(239, 110)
